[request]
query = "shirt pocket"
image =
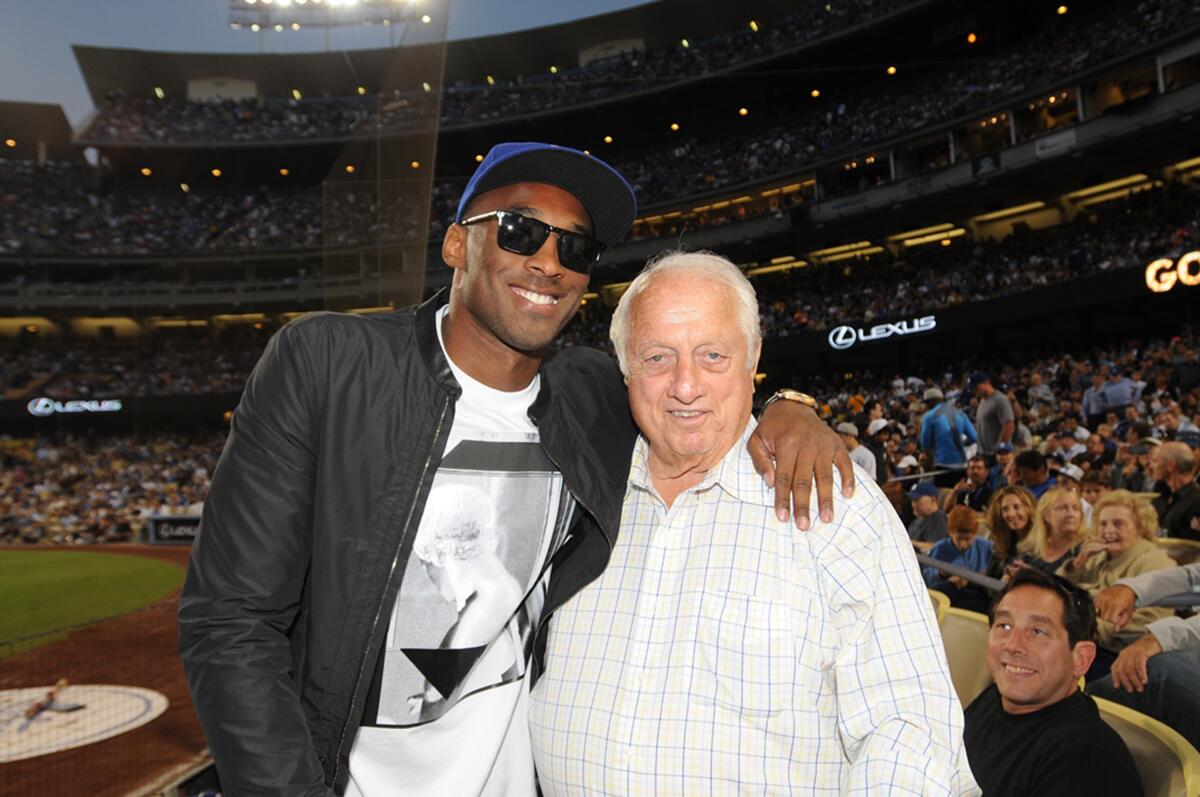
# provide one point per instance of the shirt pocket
(745, 654)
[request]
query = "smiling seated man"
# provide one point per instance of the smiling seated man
(1033, 733)
(722, 652)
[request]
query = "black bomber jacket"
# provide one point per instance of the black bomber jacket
(310, 520)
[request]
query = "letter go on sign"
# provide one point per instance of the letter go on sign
(1162, 274)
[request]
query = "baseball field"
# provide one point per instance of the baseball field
(103, 621)
(45, 591)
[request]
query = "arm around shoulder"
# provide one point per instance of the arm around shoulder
(245, 578)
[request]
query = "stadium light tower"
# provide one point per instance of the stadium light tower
(262, 16)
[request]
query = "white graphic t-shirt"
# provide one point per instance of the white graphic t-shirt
(446, 713)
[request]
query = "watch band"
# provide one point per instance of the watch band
(787, 394)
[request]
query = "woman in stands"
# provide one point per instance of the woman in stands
(1009, 519)
(1121, 545)
(1057, 529)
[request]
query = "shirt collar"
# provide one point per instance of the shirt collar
(735, 473)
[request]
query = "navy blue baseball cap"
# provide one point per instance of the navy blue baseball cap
(924, 488)
(604, 193)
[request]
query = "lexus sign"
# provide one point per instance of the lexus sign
(45, 407)
(845, 336)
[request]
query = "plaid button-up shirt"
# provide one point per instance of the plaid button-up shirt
(724, 652)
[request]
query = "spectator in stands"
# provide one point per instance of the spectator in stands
(1057, 529)
(1121, 392)
(1010, 516)
(1131, 469)
(1065, 447)
(998, 476)
(1122, 546)
(963, 548)
(1040, 394)
(1157, 674)
(877, 431)
(1094, 404)
(943, 431)
(1068, 476)
(1091, 488)
(1033, 733)
(1174, 465)
(1100, 451)
(929, 522)
(994, 418)
(972, 491)
(859, 454)
(1032, 472)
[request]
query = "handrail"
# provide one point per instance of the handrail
(927, 474)
(987, 582)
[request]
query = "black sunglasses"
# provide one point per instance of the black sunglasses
(522, 235)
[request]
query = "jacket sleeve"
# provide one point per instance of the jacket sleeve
(1158, 584)
(245, 577)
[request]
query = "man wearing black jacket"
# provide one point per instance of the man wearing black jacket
(405, 499)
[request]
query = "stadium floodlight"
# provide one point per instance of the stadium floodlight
(280, 15)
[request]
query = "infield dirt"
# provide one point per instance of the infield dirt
(137, 649)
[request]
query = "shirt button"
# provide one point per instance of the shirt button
(637, 679)
(627, 755)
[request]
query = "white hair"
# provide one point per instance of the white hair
(458, 523)
(704, 265)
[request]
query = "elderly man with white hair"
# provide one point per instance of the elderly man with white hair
(721, 652)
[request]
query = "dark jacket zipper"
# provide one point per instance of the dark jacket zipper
(362, 665)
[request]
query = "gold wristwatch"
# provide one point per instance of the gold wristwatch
(787, 394)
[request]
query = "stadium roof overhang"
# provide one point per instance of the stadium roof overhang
(657, 24)
(32, 123)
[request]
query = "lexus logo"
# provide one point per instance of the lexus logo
(845, 336)
(842, 337)
(41, 407)
(45, 407)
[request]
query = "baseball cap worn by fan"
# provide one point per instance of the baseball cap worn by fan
(604, 193)
(923, 489)
(848, 429)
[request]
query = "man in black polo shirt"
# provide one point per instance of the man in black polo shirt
(1174, 464)
(1033, 733)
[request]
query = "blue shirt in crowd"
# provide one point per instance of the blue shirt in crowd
(942, 429)
(976, 558)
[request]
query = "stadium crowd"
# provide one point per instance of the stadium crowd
(154, 366)
(53, 210)
(1119, 29)
(59, 209)
(1116, 235)
(81, 490)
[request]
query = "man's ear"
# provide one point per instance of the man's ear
(1084, 653)
(454, 246)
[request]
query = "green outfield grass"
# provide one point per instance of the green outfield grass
(43, 591)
